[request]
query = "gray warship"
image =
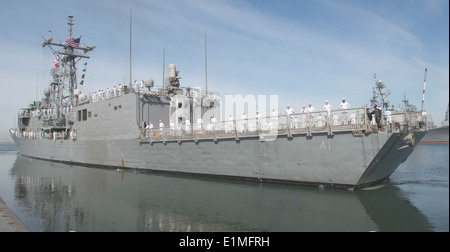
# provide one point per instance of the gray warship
(438, 135)
(179, 130)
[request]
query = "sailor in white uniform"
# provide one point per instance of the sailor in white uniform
(142, 86)
(327, 107)
(258, 121)
(244, 122)
(161, 127)
(353, 118)
(335, 120)
(136, 86)
(304, 113)
(388, 115)
(187, 124)
(289, 112)
(319, 120)
(274, 113)
(147, 130)
(273, 124)
(230, 124)
(199, 124)
(119, 89)
(311, 109)
(212, 123)
(344, 105)
(150, 126)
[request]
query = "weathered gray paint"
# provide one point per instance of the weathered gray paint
(110, 139)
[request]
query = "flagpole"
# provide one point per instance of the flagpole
(164, 65)
(423, 92)
(130, 44)
(206, 67)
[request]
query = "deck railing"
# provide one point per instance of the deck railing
(353, 120)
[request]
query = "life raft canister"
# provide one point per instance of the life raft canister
(412, 139)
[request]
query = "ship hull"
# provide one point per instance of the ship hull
(341, 160)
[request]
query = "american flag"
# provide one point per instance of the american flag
(75, 43)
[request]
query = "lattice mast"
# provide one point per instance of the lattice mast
(64, 85)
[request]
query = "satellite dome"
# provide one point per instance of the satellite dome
(47, 92)
(149, 82)
(82, 97)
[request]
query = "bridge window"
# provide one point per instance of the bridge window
(84, 114)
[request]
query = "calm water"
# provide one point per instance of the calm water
(55, 197)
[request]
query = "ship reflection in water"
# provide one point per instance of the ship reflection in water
(58, 197)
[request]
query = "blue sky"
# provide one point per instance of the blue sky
(301, 50)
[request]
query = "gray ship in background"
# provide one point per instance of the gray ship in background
(178, 129)
(439, 134)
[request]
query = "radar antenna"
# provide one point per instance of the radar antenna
(378, 91)
(64, 75)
